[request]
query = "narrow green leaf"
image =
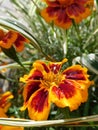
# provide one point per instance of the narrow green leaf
(2, 76)
(12, 54)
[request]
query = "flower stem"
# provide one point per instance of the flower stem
(65, 42)
(66, 113)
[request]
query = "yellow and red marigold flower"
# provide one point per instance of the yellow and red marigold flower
(4, 103)
(47, 83)
(12, 38)
(62, 12)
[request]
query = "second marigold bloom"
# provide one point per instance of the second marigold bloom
(12, 38)
(47, 83)
(62, 12)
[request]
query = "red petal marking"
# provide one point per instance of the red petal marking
(74, 74)
(58, 92)
(1, 34)
(75, 10)
(29, 89)
(52, 11)
(82, 2)
(7, 36)
(36, 75)
(53, 4)
(19, 39)
(65, 89)
(5, 97)
(45, 67)
(55, 68)
(40, 100)
(58, 14)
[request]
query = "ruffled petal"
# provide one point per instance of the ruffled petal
(78, 74)
(57, 15)
(67, 94)
(56, 66)
(41, 66)
(52, 3)
(29, 89)
(39, 105)
(19, 42)
(78, 11)
(8, 39)
(4, 98)
(34, 74)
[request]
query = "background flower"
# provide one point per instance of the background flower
(63, 12)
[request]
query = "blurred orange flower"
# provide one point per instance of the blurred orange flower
(4, 102)
(47, 83)
(12, 38)
(4, 105)
(62, 12)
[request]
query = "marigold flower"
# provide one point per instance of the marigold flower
(12, 38)
(4, 105)
(62, 12)
(11, 128)
(4, 101)
(47, 83)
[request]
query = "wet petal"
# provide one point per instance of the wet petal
(39, 105)
(29, 89)
(68, 94)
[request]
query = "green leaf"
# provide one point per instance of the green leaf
(2, 76)
(11, 53)
(88, 60)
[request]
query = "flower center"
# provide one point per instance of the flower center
(51, 78)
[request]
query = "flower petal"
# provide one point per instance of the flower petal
(2, 113)
(78, 12)
(8, 39)
(11, 128)
(5, 98)
(68, 94)
(39, 105)
(78, 74)
(19, 42)
(34, 74)
(56, 66)
(29, 89)
(57, 15)
(41, 66)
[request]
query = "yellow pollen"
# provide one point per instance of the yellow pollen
(51, 78)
